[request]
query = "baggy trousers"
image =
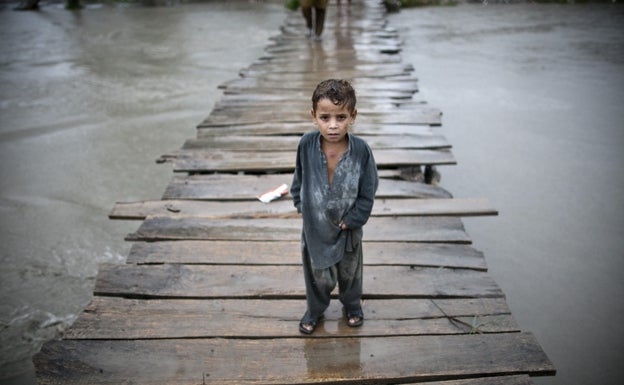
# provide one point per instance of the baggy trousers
(320, 282)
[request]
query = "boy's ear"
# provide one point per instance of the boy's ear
(353, 115)
(312, 112)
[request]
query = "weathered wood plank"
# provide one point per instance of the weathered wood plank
(121, 318)
(284, 282)
(413, 115)
(300, 128)
(291, 360)
(388, 88)
(363, 85)
(389, 92)
(284, 161)
(284, 102)
(284, 208)
(492, 380)
(364, 25)
(339, 59)
(294, 73)
(361, 35)
(372, 46)
(249, 187)
(269, 70)
(381, 229)
(289, 252)
(262, 143)
(254, 100)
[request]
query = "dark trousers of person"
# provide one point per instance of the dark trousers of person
(319, 7)
(319, 19)
(320, 282)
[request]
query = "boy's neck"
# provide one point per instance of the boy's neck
(335, 147)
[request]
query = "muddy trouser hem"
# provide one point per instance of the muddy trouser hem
(320, 282)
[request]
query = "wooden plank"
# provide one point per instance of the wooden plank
(371, 45)
(121, 318)
(340, 58)
(291, 360)
(294, 73)
(270, 70)
(262, 143)
(249, 187)
(390, 92)
(368, 104)
(289, 252)
(361, 35)
(284, 161)
(413, 115)
(381, 229)
(284, 282)
(299, 100)
(284, 208)
(254, 101)
(362, 85)
(300, 128)
(364, 25)
(492, 380)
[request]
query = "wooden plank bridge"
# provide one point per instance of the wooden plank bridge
(212, 290)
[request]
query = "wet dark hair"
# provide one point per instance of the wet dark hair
(339, 92)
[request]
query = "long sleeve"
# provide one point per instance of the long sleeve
(295, 186)
(358, 215)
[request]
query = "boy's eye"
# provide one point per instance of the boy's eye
(340, 118)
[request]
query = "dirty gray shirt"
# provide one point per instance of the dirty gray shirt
(349, 198)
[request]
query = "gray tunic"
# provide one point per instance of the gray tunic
(349, 198)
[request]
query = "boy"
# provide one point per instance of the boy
(333, 188)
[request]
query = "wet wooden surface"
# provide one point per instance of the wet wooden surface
(212, 290)
(211, 160)
(212, 282)
(246, 252)
(226, 187)
(382, 229)
(293, 360)
(284, 208)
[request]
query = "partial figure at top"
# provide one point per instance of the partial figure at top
(315, 29)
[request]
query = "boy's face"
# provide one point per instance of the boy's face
(333, 121)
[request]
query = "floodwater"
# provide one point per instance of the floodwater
(532, 97)
(89, 101)
(533, 103)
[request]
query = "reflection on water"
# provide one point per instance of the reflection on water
(88, 101)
